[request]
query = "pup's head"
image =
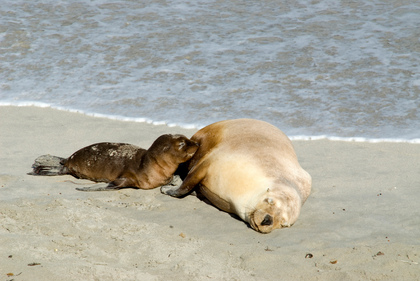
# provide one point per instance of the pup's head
(179, 147)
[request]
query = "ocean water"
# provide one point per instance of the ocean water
(322, 68)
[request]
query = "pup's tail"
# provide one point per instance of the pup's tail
(48, 165)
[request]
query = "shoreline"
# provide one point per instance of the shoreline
(360, 221)
(197, 127)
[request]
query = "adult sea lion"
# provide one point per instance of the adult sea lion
(249, 168)
(121, 164)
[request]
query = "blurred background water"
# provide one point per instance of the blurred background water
(322, 68)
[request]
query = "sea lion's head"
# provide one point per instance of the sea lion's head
(183, 147)
(275, 210)
(178, 147)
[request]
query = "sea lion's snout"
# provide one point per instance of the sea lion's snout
(192, 143)
(268, 220)
(192, 147)
(262, 221)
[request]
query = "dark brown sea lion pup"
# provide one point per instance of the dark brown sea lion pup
(120, 164)
(249, 168)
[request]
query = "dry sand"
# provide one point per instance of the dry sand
(361, 221)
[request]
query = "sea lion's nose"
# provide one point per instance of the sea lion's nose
(268, 220)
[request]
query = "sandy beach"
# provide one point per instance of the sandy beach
(361, 222)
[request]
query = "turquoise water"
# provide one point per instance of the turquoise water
(336, 69)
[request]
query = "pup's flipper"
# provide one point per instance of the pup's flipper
(48, 165)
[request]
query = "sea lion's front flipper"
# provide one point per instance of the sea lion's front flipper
(176, 181)
(98, 187)
(193, 178)
(173, 185)
(114, 185)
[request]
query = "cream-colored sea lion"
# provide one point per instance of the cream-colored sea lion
(120, 164)
(249, 168)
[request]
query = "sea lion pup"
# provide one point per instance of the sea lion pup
(249, 168)
(120, 164)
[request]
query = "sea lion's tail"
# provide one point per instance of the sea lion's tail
(48, 165)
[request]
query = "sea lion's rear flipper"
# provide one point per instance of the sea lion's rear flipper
(48, 165)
